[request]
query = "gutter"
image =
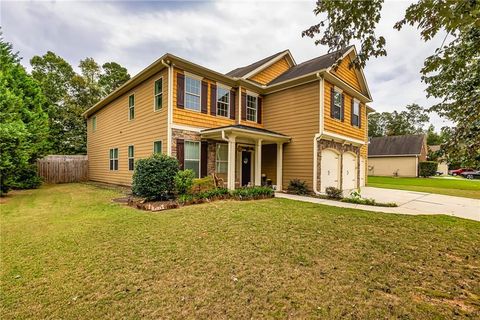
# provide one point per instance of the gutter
(169, 65)
(318, 135)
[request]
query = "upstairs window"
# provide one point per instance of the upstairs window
(157, 147)
(223, 100)
(192, 93)
(192, 157)
(221, 163)
(94, 123)
(158, 94)
(114, 159)
(337, 105)
(131, 157)
(131, 107)
(356, 113)
(252, 107)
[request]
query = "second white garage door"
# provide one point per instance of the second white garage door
(349, 174)
(330, 170)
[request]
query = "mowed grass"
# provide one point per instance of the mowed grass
(451, 187)
(68, 252)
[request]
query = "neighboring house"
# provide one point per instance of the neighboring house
(442, 164)
(274, 119)
(396, 155)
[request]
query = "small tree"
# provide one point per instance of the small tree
(154, 177)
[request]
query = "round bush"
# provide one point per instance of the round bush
(427, 168)
(184, 181)
(154, 177)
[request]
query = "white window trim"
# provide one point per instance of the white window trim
(194, 77)
(128, 157)
(155, 95)
(253, 94)
(256, 107)
(161, 145)
(216, 158)
(94, 123)
(337, 89)
(128, 104)
(228, 103)
(199, 156)
(118, 157)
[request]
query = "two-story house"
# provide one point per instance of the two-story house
(274, 119)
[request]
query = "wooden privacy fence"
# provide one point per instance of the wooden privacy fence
(63, 169)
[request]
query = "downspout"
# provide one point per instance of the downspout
(319, 134)
(169, 106)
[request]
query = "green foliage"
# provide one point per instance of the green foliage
(203, 184)
(251, 193)
(69, 94)
(27, 178)
(113, 76)
(23, 122)
(297, 186)
(368, 202)
(427, 168)
(213, 194)
(452, 72)
(334, 193)
(184, 181)
(410, 121)
(154, 177)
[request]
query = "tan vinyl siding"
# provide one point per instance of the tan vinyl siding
(387, 166)
(196, 118)
(114, 130)
(271, 72)
(344, 128)
(295, 112)
(346, 74)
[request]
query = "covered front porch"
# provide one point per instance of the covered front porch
(238, 154)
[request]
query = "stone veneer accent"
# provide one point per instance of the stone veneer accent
(195, 136)
(341, 148)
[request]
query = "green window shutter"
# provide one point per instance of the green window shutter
(157, 147)
(158, 94)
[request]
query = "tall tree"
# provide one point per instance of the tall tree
(113, 76)
(23, 123)
(452, 72)
(69, 94)
(410, 121)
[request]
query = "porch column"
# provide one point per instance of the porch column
(258, 162)
(231, 163)
(279, 166)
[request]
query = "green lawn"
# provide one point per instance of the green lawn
(68, 252)
(453, 187)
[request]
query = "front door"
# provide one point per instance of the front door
(246, 167)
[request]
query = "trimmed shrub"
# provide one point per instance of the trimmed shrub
(251, 193)
(296, 186)
(203, 184)
(184, 181)
(334, 193)
(154, 177)
(427, 168)
(369, 202)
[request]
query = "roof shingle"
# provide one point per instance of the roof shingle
(396, 145)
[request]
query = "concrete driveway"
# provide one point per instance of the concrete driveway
(409, 202)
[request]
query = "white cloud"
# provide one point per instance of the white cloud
(220, 35)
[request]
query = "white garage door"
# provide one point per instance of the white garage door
(362, 171)
(330, 170)
(349, 171)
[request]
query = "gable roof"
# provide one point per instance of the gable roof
(315, 64)
(396, 145)
(242, 71)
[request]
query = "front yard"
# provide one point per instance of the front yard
(68, 252)
(448, 186)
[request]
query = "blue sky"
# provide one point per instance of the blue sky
(218, 35)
